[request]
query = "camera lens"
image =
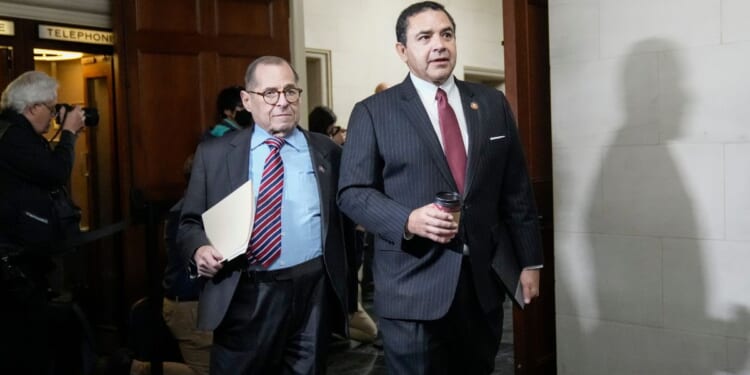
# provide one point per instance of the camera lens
(92, 117)
(92, 114)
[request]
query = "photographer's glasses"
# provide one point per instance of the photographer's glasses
(272, 96)
(51, 108)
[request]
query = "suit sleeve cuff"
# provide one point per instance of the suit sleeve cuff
(192, 268)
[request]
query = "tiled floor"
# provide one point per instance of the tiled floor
(352, 358)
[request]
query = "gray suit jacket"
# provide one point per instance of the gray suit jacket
(220, 166)
(393, 163)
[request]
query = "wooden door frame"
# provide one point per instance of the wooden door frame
(525, 29)
(102, 66)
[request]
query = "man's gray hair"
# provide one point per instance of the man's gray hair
(265, 60)
(28, 89)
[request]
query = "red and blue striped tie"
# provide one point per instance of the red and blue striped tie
(265, 243)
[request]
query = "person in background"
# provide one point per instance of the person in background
(181, 292)
(180, 305)
(322, 120)
(179, 310)
(437, 298)
(361, 326)
(40, 335)
(230, 114)
(273, 308)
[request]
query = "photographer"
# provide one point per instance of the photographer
(39, 335)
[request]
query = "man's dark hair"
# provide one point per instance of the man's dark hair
(228, 98)
(403, 19)
(265, 60)
(320, 119)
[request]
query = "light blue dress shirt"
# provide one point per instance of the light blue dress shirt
(300, 206)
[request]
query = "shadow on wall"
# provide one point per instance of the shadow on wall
(636, 276)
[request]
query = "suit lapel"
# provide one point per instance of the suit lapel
(473, 127)
(420, 121)
(238, 159)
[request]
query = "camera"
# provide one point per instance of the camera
(92, 115)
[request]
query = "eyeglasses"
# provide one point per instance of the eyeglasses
(272, 96)
(51, 108)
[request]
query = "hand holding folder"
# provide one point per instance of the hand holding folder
(508, 271)
(229, 223)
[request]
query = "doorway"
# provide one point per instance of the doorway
(86, 80)
(319, 81)
(92, 275)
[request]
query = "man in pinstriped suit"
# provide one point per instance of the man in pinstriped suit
(438, 299)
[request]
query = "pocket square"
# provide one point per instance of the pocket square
(497, 137)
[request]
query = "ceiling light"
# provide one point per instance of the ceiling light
(54, 55)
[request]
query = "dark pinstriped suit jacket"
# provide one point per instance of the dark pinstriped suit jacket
(221, 166)
(393, 163)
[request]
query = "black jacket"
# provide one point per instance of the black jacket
(29, 170)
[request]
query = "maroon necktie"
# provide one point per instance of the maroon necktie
(453, 143)
(265, 243)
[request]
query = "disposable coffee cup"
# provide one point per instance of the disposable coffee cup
(449, 202)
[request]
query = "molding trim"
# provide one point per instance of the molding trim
(498, 74)
(297, 44)
(38, 13)
(487, 76)
(326, 72)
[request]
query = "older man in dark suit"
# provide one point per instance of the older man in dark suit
(439, 300)
(273, 309)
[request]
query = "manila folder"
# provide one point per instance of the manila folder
(229, 223)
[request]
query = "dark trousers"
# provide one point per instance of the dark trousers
(43, 337)
(38, 335)
(276, 324)
(461, 342)
(365, 241)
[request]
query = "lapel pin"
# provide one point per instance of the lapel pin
(321, 169)
(474, 105)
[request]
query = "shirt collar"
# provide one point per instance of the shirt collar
(295, 138)
(427, 90)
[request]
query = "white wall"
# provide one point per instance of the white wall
(361, 36)
(651, 154)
